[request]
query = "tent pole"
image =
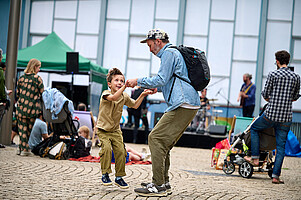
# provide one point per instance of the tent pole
(11, 61)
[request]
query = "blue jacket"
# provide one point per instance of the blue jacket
(182, 92)
(250, 101)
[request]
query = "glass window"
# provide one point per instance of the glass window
(137, 69)
(280, 10)
(65, 9)
(167, 9)
(247, 17)
(137, 49)
(171, 28)
(41, 17)
(142, 16)
(66, 31)
(118, 9)
(88, 16)
(245, 48)
(87, 45)
(238, 70)
(197, 17)
(221, 85)
(220, 47)
(222, 9)
(116, 39)
(297, 18)
(36, 39)
(196, 42)
(277, 38)
(297, 50)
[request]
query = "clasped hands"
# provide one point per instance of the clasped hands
(133, 82)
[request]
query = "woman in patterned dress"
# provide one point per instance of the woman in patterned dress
(29, 91)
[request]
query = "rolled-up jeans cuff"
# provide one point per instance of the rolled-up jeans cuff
(255, 157)
(275, 176)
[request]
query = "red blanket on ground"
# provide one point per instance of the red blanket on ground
(96, 159)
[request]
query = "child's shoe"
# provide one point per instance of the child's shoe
(105, 179)
(121, 183)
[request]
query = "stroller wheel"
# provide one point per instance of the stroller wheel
(228, 167)
(246, 170)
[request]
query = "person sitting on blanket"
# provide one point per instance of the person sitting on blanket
(82, 146)
(133, 155)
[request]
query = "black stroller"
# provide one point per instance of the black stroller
(62, 125)
(242, 144)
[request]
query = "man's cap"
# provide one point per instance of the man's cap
(155, 34)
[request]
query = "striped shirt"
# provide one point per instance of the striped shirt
(281, 89)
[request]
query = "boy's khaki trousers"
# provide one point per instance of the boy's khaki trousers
(163, 137)
(109, 141)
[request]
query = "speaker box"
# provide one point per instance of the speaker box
(72, 62)
(217, 130)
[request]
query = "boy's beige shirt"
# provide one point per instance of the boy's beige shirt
(110, 112)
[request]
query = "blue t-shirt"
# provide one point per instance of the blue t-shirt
(38, 129)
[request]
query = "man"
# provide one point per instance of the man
(137, 113)
(247, 96)
(182, 106)
(203, 116)
(38, 133)
(82, 107)
(281, 89)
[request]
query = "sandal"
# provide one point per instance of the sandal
(277, 181)
(251, 161)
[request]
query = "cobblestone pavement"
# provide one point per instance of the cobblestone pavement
(191, 178)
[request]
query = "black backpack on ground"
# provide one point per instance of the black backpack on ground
(197, 67)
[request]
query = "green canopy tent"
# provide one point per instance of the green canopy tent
(52, 53)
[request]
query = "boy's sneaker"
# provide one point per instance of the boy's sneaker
(105, 179)
(167, 186)
(121, 183)
(152, 190)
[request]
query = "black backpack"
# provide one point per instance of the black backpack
(197, 67)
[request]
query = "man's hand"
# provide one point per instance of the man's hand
(131, 82)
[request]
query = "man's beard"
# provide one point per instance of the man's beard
(156, 49)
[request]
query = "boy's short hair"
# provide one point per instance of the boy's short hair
(283, 57)
(85, 129)
(113, 72)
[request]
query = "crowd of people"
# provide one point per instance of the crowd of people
(281, 89)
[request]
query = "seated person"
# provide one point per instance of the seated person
(82, 145)
(38, 133)
(133, 155)
(136, 156)
(82, 107)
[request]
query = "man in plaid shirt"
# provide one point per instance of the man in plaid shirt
(281, 89)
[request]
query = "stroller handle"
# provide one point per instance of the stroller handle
(263, 109)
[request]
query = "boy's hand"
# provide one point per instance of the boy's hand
(150, 91)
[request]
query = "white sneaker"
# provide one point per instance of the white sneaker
(144, 150)
(18, 152)
(26, 153)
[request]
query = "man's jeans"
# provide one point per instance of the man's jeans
(281, 131)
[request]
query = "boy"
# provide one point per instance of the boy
(108, 128)
(83, 148)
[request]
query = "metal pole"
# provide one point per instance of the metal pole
(11, 62)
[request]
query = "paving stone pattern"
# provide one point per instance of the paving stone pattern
(190, 173)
